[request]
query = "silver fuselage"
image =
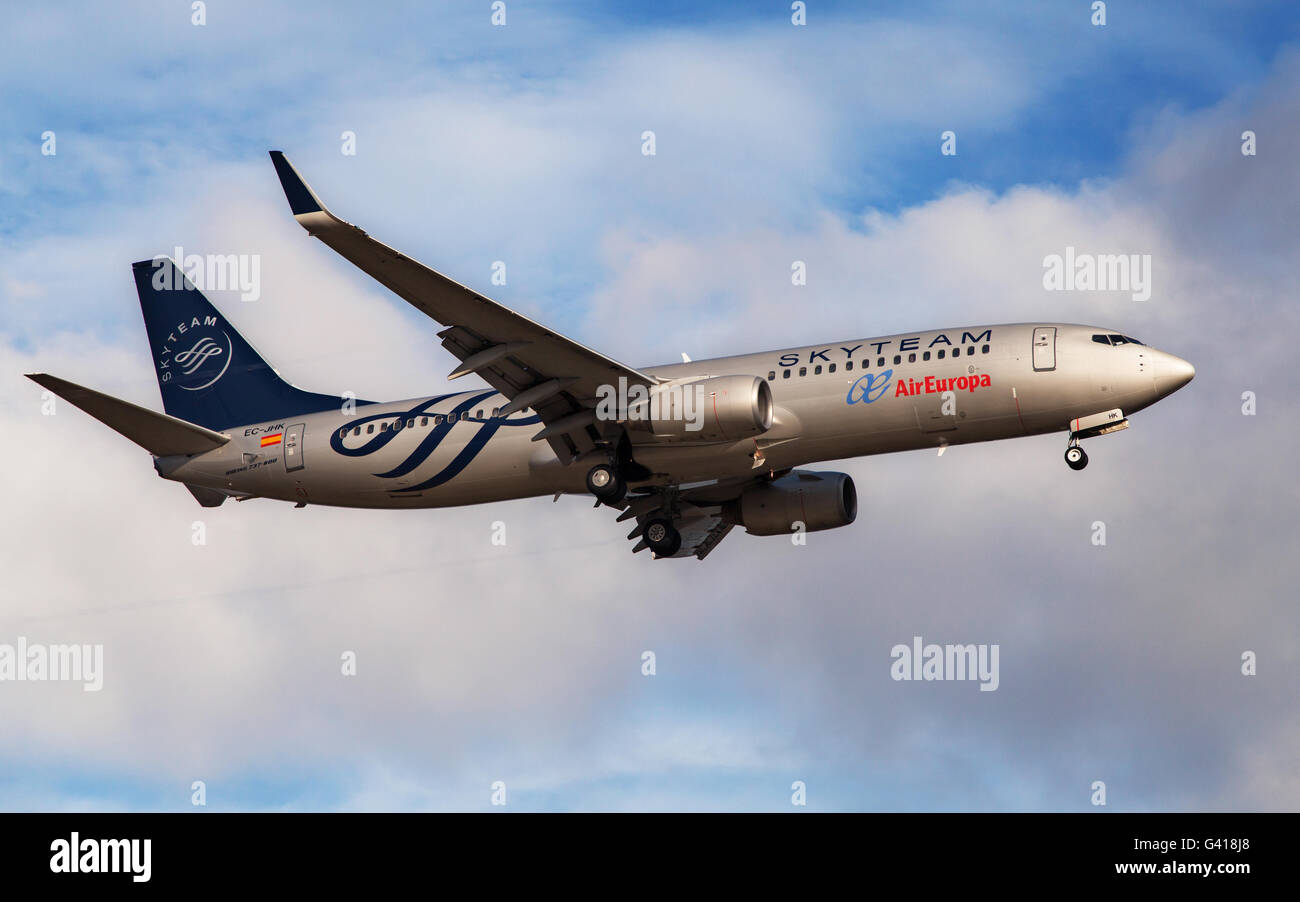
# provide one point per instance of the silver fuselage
(1032, 379)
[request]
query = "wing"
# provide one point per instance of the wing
(529, 364)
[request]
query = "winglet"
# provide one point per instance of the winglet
(302, 199)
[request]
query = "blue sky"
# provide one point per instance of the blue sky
(845, 114)
(155, 81)
(522, 143)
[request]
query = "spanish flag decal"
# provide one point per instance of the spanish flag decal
(273, 439)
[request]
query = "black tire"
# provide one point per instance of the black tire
(662, 537)
(1076, 458)
(603, 482)
(620, 492)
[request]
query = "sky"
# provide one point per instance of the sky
(522, 664)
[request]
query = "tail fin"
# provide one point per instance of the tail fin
(207, 372)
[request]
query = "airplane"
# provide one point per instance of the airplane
(688, 450)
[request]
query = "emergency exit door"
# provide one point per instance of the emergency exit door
(293, 447)
(1044, 348)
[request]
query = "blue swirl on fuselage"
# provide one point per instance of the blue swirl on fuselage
(430, 442)
(433, 439)
(384, 436)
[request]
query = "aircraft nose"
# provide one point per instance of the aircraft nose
(1174, 373)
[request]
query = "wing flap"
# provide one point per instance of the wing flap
(698, 512)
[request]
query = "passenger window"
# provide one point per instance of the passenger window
(771, 375)
(410, 422)
(831, 368)
(848, 365)
(370, 428)
(464, 414)
(478, 414)
(941, 353)
(383, 427)
(437, 419)
(356, 431)
(925, 356)
(898, 358)
(970, 349)
(911, 358)
(343, 433)
(984, 350)
(496, 411)
(785, 375)
(817, 370)
(424, 421)
(880, 361)
(803, 371)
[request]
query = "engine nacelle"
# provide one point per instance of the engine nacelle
(818, 500)
(719, 409)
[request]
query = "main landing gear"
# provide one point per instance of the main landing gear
(662, 537)
(608, 478)
(1075, 457)
(604, 482)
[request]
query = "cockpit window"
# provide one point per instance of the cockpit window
(1115, 340)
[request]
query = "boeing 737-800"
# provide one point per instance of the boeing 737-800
(688, 451)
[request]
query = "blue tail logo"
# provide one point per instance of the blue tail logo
(207, 372)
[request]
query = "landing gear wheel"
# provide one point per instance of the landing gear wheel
(603, 482)
(1075, 457)
(662, 537)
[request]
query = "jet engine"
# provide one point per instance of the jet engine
(717, 409)
(818, 500)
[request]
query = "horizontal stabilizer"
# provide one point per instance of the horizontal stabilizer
(157, 433)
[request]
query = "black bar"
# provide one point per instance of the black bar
(328, 851)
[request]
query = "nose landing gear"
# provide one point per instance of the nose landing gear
(1075, 457)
